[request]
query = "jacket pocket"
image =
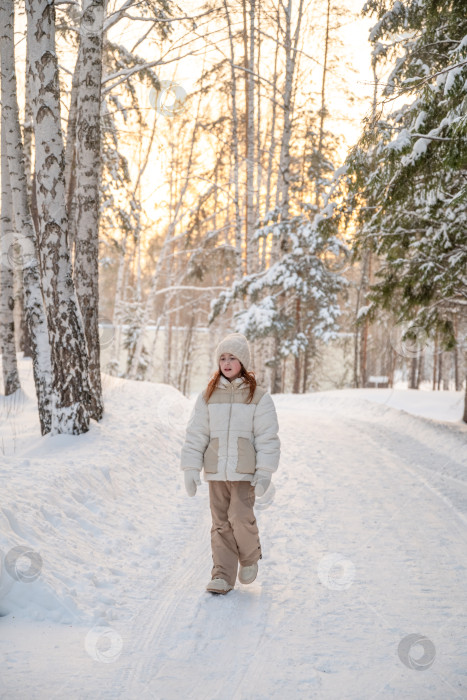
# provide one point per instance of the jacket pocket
(246, 463)
(211, 456)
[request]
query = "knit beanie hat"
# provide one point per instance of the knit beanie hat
(236, 344)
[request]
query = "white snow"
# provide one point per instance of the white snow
(402, 141)
(419, 148)
(440, 405)
(420, 120)
(364, 545)
(451, 77)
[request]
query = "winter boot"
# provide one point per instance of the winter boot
(247, 574)
(218, 585)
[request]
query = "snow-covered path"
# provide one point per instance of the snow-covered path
(364, 544)
(360, 551)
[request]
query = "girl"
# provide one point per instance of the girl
(232, 433)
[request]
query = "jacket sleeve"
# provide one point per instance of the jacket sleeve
(197, 436)
(265, 429)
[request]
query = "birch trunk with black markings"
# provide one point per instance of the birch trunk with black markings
(85, 208)
(7, 295)
(23, 252)
(70, 385)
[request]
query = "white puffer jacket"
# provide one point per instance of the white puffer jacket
(231, 439)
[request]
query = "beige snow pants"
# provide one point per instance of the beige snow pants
(234, 532)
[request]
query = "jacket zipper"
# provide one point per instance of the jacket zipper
(228, 430)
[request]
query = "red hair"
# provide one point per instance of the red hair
(248, 377)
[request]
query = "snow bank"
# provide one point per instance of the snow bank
(75, 510)
(437, 405)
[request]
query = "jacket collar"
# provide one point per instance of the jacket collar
(225, 384)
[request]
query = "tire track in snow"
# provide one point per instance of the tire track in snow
(152, 622)
(170, 640)
(193, 626)
(414, 457)
(239, 624)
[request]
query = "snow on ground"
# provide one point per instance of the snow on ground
(440, 405)
(364, 547)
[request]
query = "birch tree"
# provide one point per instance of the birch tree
(11, 380)
(236, 150)
(322, 111)
(87, 188)
(249, 63)
(283, 176)
(24, 247)
(70, 385)
(290, 47)
(28, 139)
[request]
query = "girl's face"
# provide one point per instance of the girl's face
(229, 366)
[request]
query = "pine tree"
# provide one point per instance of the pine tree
(405, 183)
(309, 289)
(413, 164)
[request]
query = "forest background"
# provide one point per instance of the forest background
(175, 173)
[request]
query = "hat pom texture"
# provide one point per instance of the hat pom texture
(235, 344)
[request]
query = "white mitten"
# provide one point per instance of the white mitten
(261, 480)
(192, 480)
